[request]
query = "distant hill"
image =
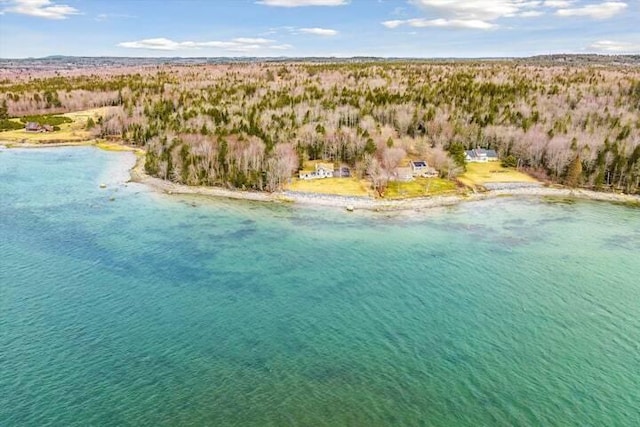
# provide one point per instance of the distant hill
(60, 62)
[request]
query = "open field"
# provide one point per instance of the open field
(419, 187)
(69, 132)
(337, 186)
(478, 174)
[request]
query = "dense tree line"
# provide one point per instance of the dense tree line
(252, 125)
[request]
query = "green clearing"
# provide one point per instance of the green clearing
(53, 120)
(72, 127)
(8, 124)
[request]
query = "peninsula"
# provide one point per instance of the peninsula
(359, 130)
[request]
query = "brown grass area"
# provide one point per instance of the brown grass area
(113, 146)
(419, 187)
(478, 174)
(337, 186)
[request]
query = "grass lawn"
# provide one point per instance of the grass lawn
(112, 146)
(337, 186)
(419, 187)
(69, 132)
(490, 172)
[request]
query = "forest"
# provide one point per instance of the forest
(253, 125)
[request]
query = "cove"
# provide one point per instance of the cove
(123, 306)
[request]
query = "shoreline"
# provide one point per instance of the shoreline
(138, 175)
(17, 144)
(370, 204)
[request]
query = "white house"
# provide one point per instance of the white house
(421, 168)
(418, 166)
(322, 170)
(480, 155)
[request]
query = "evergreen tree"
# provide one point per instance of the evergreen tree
(574, 172)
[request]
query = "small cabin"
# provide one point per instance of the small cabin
(33, 127)
(37, 127)
(418, 166)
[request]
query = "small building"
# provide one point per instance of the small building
(37, 127)
(421, 168)
(33, 127)
(480, 155)
(322, 170)
(418, 167)
(342, 172)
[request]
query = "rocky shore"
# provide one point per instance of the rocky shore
(371, 204)
(363, 203)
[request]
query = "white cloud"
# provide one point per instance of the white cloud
(249, 40)
(596, 11)
(240, 44)
(608, 46)
(101, 17)
(160, 43)
(300, 3)
(485, 10)
(40, 9)
(287, 30)
(474, 24)
(469, 14)
(531, 14)
(394, 23)
(558, 3)
(484, 14)
(326, 32)
(281, 46)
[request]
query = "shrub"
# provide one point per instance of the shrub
(510, 161)
(10, 125)
(46, 120)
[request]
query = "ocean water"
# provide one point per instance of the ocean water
(122, 306)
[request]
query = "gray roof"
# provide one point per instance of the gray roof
(481, 151)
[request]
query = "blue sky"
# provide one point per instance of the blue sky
(389, 28)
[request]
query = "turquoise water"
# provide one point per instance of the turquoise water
(155, 310)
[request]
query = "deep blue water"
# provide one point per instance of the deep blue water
(151, 309)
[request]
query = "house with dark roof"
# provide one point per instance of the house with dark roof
(422, 168)
(480, 155)
(33, 127)
(417, 166)
(37, 127)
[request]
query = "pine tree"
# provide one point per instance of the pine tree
(574, 172)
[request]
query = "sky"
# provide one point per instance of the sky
(297, 28)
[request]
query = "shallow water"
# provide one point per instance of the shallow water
(147, 310)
